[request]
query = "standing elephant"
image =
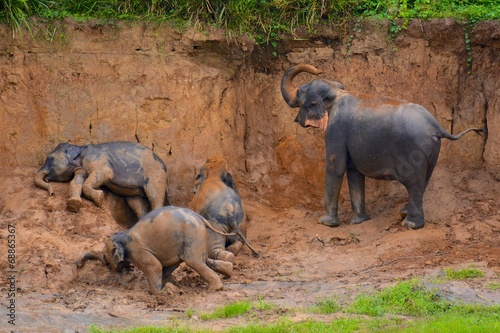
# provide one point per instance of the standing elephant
(125, 168)
(158, 243)
(368, 136)
(217, 199)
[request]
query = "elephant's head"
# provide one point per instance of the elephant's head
(215, 166)
(59, 166)
(313, 99)
(113, 255)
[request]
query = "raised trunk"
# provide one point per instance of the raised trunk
(40, 181)
(288, 91)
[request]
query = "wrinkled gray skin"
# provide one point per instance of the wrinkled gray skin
(158, 243)
(368, 136)
(127, 169)
(217, 199)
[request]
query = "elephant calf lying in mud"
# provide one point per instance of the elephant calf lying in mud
(127, 169)
(158, 243)
(217, 199)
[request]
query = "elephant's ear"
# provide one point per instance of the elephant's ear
(227, 179)
(118, 256)
(199, 179)
(73, 151)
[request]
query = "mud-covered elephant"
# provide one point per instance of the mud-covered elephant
(368, 136)
(217, 199)
(158, 243)
(127, 169)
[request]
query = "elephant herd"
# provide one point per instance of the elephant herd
(164, 235)
(365, 136)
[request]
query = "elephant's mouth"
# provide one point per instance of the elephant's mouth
(320, 123)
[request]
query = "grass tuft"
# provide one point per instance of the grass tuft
(228, 311)
(463, 274)
(406, 298)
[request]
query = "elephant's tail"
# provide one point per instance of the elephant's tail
(238, 232)
(459, 135)
(209, 226)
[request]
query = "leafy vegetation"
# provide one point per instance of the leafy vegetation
(264, 20)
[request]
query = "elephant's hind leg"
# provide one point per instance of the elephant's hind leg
(415, 210)
(138, 205)
(223, 267)
(155, 190)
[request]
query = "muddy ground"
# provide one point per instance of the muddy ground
(300, 262)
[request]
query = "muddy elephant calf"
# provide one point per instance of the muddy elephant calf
(158, 243)
(217, 199)
(127, 169)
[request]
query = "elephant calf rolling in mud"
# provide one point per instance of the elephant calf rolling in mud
(368, 136)
(217, 199)
(127, 169)
(158, 243)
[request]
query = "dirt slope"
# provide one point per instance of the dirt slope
(300, 260)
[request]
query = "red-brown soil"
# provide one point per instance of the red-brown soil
(301, 261)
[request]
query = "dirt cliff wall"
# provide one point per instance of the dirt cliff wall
(193, 94)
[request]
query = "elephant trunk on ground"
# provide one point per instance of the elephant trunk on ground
(40, 181)
(288, 91)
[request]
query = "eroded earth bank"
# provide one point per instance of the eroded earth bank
(194, 94)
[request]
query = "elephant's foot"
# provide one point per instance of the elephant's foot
(416, 224)
(74, 204)
(98, 198)
(225, 256)
(223, 267)
(360, 218)
(215, 285)
(329, 221)
(235, 247)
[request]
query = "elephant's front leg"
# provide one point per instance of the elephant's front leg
(356, 182)
(152, 269)
(94, 181)
(75, 201)
(333, 184)
(336, 162)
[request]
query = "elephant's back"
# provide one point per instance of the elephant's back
(169, 221)
(223, 206)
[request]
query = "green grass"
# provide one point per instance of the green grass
(265, 21)
(463, 274)
(407, 307)
(494, 286)
(228, 311)
(325, 306)
(147, 329)
(406, 298)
